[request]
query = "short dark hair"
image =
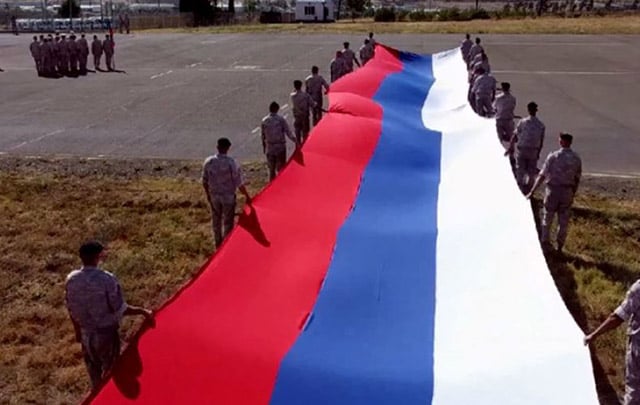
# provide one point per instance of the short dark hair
(90, 250)
(346, 44)
(477, 40)
(274, 107)
(314, 69)
(532, 106)
(224, 144)
(467, 36)
(506, 86)
(297, 84)
(567, 137)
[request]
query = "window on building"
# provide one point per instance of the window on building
(309, 10)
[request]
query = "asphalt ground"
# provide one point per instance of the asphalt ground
(179, 92)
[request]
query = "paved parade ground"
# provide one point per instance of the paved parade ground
(179, 92)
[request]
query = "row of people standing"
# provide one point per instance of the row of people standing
(222, 176)
(58, 56)
(523, 142)
(345, 59)
(561, 173)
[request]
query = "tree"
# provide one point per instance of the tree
(356, 6)
(203, 12)
(63, 11)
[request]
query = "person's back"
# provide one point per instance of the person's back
(96, 47)
(530, 133)
(337, 67)
(505, 104)
(83, 47)
(465, 47)
(274, 133)
(301, 103)
(563, 168)
(314, 84)
(348, 56)
(94, 299)
(221, 174)
(107, 46)
(484, 85)
(34, 47)
(475, 49)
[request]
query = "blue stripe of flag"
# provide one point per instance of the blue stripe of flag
(370, 337)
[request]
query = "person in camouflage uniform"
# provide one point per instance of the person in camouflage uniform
(274, 128)
(96, 51)
(34, 48)
(302, 104)
(83, 53)
(96, 306)
(349, 58)
(561, 171)
(337, 67)
(221, 176)
(366, 52)
(313, 86)
(528, 139)
(484, 92)
(628, 311)
(465, 47)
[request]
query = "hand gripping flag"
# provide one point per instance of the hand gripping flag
(393, 261)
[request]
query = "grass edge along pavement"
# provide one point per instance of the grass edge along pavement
(591, 25)
(155, 219)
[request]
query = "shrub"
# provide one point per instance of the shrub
(421, 15)
(385, 14)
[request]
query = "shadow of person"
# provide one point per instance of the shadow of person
(118, 71)
(249, 221)
(126, 371)
(298, 156)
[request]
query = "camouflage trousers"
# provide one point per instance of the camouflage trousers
(557, 200)
(276, 162)
(100, 349)
(526, 168)
(505, 128)
(223, 209)
(316, 112)
(632, 375)
(483, 105)
(301, 127)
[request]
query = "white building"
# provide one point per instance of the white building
(315, 10)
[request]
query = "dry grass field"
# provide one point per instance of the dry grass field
(155, 219)
(612, 24)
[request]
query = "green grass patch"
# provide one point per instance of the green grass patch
(157, 228)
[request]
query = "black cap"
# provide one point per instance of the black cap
(90, 249)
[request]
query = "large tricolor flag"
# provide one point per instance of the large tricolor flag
(394, 261)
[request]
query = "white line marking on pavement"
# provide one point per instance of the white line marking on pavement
(38, 139)
(194, 64)
(168, 72)
(256, 129)
(561, 72)
(284, 107)
(615, 176)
